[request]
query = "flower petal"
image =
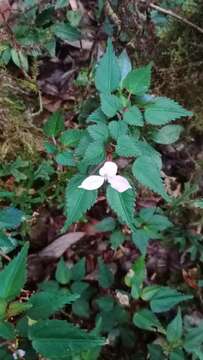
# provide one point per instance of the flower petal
(119, 183)
(92, 182)
(109, 169)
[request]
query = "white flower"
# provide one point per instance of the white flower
(106, 173)
(18, 354)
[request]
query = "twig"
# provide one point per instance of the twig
(5, 256)
(176, 16)
(40, 105)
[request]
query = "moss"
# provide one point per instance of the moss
(19, 136)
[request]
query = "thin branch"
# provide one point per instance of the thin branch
(176, 16)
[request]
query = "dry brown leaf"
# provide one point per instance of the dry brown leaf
(60, 245)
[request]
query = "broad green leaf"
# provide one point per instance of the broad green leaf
(122, 203)
(10, 218)
(138, 81)
(117, 128)
(65, 158)
(107, 224)
(105, 275)
(95, 153)
(107, 77)
(148, 174)
(139, 275)
(78, 201)
(63, 273)
(74, 17)
(7, 243)
(174, 330)
(146, 320)
(98, 132)
(105, 303)
(97, 116)
(78, 271)
(164, 110)
(133, 116)
(54, 125)
(117, 238)
(110, 104)
(20, 59)
(149, 291)
(13, 276)
(194, 338)
(129, 146)
(167, 134)
(46, 303)
(61, 3)
(81, 308)
(65, 31)
(156, 352)
(198, 203)
(7, 331)
(124, 64)
(55, 339)
(71, 137)
(140, 238)
(177, 355)
(166, 298)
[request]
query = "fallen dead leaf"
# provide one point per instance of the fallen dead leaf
(60, 245)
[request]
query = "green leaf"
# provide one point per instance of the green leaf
(78, 271)
(138, 81)
(105, 276)
(63, 273)
(156, 352)
(117, 238)
(177, 355)
(174, 330)
(107, 224)
(133, 116)
(98, 132)
(74, 17)
(7, 331)
(95, 153)
(122, 203)
(54, 125)
(46, 303)
(194, 338)
(65, 158)
(55, 339)
(81, 308)
(198, 203)
(127, 146)
(124, 64)
(107, 77)
(65, 31)
(164, 110)
(166, 298)
(78, 201)
(13, 276)
(10, 218)
(71, 137)
(61, 4)
(117, 129)
(139, 275)
(7, 243)
(20, 59)
(110, 104)
(97, 116)
(167, 134)
(148, 174)
(140, 238)
(146, 320)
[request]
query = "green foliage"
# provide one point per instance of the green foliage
(78, 201)
(163, 110)
(54, 125)
(58, 339)
(109, 66)
(13, 276)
